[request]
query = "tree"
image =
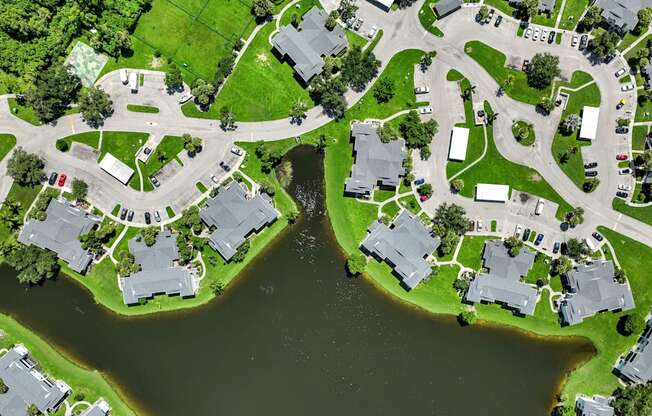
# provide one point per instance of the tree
(576, 249)
(387, 133)
(227, 119)
(359, 67)
(592, 18)
(483, 13)
(356, 264)
(32, 263)
(149, 235)
(461, 285)
(62, 145)
(384, 90)
(347, 9)
(508, 81)
(262, 9)
(514, 245)
(125, 264)
(298, 111)
(322, 143)
(53, 91)
(544, 67)
(575, 217)
(620, 276)
(203, 92)
(3, 387)
(633, 400)
(192, 145)
(630, 324)
(529, 8)
(191, 221)
(32, 410)
(450, 218)
(79, 189)
(467, 317)
(562, 265)
(402, 4)
(425, 189)
(95, 105)
(571, 123)
(646, 160)
(604, 43)
(425, 61)
(449, 241)
(457, 185)
(547, 104)
(241, 252)
(217, 287)
(25, 168)
(467, 93)
(173, 78)
(416, 133)
(331, 21)
(329, 92)
(224, 68)
(644, 20)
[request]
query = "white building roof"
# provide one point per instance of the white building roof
(491, 192)
(387, 4)
(459, 141)
(116, 168)
(589, 128)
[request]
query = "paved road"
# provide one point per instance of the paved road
(402, 30)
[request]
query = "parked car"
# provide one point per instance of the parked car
(597, 236)
(574, 40)
(480, 225)
(539, 208)
(185, 97)
(627, 87)
(621, 103)
(425, 110)
(526, 234)
(620, 72)
(625, 187)
(528, 32)
(609, 58)
(544, 35)
(590, 173)
(154, 181)
(236, 151)
(123, 213)
(62, 179)
(424, 198)
(622, 130)
(622, 156)
(372, 32)
(526, 65)
(624, 171)
(358, 23)
(157, 216)
(350, 22)
(490, 16)
(419, 181)
(518, 230)
(551, 38)
(498, 21)
(224, 166)
(130, 216)
(422, 90)
(539, 239)
(584, 40)
(556, 247)
(214, 178)
(53, 178)
(621, 194)
(535, 36)
(590, 165)
(148, 218)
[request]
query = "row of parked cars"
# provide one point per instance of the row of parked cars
(540, 34)
(61, 179)
(129, 216)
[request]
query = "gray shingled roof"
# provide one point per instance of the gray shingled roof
(592, 289)
(636, 367)
(622, 14)
(307, 46)
(99, 408)
(445, 7)
(502, 284)
(593, 406)
(545, 6)
(376, 163)
(404, 245)
(60, 233)
(158, 275)
(236, 215)
(27, 385)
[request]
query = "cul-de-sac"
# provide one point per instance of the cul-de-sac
(292, 207)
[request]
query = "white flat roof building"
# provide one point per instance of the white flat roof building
(590, 116)
(459, 142)
(491, 193)
(383, 4)
(116, 168)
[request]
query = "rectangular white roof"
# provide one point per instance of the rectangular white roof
(387, 4)
(491, 192)
(116, 168)
(459, 142)
(589, 128)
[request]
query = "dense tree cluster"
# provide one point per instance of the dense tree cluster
(33, 264)
(268, 158)
(356, 264)
(190, 220)
(514, 245)
(25, 168)
(604, 44)
(193, 145)
(329, 92)
(359, 67)
(149, 235)
(79, 189)
(52, 92)
(95, 105)
(634, 400)
(41, 204)
(544, 67)
(418, 134)
(384, 90)
(96, 238)
(241, 252)
(449, 222)
(592, 18)
(126, 265)
(631, 324)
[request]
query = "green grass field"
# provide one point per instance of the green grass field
(7, 142)
(24, 195)
(391, 209)
(90, 138)
(142, 108)
(22, 112)
(571, 14)
(428, 18)
(470, 254)
(544, 19)
(493, 61)
(529, 138)
(123, 145)
(170, 146)
(502, 5)
(643, 214)
(638, 137)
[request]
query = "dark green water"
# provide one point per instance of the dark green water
(295, 336)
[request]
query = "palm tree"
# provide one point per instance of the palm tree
(12, 206)
(508, 81)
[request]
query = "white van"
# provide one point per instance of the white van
(589, 244)
(124, 76)
(133, 82)
(539, 209)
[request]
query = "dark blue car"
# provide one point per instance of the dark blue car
(419, 181)
(538, 240)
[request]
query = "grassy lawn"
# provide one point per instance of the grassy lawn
(410, 203)
(639, 46)
(375, 40)
(475, 145)
(470, 254)
(572, 12)
(304, 7)
(136, 108)
(22, 112)
(89, 382)
(390, 209)
(170, 146)
(628, 39)
(428, 18)
(569, 146)
(502, 5)
(123, 145)
(643, 111)
(170, 212)
(643, 214)
(523, 133)
(544, 19)
(262, 87)
(201, 187)
(90, 138)
(354, 39)
(494, 168)
(493, 61)
(381, 195)
(7, 142)
(540, 269)
(24, 195)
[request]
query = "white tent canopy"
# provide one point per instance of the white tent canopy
(459, 142)
(116, 168)
(590, 116)
(491, 192)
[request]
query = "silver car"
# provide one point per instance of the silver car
(236, 151)
(627, 87)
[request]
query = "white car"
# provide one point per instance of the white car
(620, 72)
(236, 151)
(422, 90)
(575, 40)
(528, 32)
(627, 87)
(536, 34)
(544, 35)
(372, 32)
(185, 97)
(157, 216)
(624, 171)
(480, 225)
(425, 110)
(214, 178)
(518, 231)
(624, 187)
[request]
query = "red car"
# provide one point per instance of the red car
(62, 179)
(622, 156)
(424, 198)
